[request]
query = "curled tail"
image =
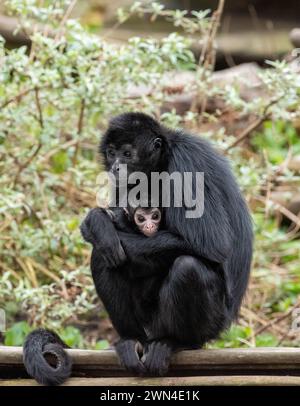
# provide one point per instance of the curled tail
(45, 358)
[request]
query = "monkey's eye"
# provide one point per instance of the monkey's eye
(141, 219)
(127, 154)
(157, 143)
(155, 216)
(111, 152)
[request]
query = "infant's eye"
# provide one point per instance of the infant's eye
(155, 216)
(127, 154)
(141, 219)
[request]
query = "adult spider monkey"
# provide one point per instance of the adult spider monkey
(184, 285)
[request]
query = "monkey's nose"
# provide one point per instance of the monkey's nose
(115, 168)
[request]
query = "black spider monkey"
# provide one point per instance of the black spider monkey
(184, 285)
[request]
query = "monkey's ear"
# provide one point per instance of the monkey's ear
(157, 143)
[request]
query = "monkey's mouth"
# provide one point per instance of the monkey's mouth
(148, 233)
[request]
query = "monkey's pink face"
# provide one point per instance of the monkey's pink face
(147, 220)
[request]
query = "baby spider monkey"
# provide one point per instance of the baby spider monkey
(146, 220)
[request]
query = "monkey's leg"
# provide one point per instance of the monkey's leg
(191, 311)
(114, 290)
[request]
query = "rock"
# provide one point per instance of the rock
(181, 87)
(245, 76)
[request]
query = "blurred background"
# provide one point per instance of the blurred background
(226, 70)
(250, 30)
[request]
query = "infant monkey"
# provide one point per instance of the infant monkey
(143, 219)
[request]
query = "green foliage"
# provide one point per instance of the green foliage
(72, 337)
(198, 21)
(237, 336)
(16, 334)
(60, 162)
(276, 138)
(55, 100)
(102, 345)
(266, 340)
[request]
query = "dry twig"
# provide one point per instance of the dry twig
(278, 319)
(255, 124)
(208, 54)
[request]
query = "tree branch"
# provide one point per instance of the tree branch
(208, 53)
(25, 164)
(39, 108)
(79, 129)
(254, 125)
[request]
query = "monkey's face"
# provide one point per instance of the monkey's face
(147, 220)
(137, 141)
(117, 156)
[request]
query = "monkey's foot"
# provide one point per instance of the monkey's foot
(129, 352)
(157, 357)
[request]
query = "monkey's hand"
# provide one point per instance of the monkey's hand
(98, 229)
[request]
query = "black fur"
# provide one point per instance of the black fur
(40, 344)
(184, 285)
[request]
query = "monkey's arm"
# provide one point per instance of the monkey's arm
(136, 245)
(98, 229)
(163, 242)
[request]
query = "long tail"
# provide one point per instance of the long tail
(45, 358)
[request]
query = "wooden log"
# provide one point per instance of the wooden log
(259, 355)
(247, 380)
(295, 37)
(91, 363)
(7, 28)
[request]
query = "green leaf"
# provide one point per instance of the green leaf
(17, 333)
(60, 162)
(266, 340)
(72, 337)
(102, 345)
(73, 224)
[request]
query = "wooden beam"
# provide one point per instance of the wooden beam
(92, 363)
(260, 355)
(249, 380)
